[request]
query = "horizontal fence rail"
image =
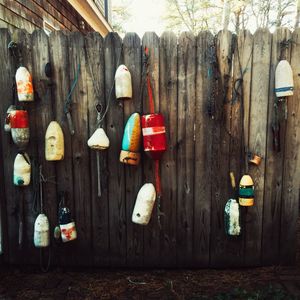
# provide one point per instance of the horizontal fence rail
(217, 96)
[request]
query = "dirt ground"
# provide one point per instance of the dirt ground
(258, 283)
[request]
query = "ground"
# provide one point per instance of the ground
(257, 283)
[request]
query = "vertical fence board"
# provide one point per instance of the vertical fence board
(152, 230)
(168, 107)
(221, 142)
(133, 174)
(291, 171)
(186, 147)
(274, 161)
(257, 141)
(116, 176)
(99, 205)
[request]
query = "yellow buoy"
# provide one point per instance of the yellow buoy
(246, 191)
(54, 142)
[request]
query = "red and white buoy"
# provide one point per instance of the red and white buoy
(19, 124)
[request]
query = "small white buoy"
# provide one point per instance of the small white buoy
(22, 170)
(232, 218)
(144, 204)
(123, 84)
(284, 83)
(24, 85)
(68, 232)
(99, 140)
(41, 236)
(54, 142)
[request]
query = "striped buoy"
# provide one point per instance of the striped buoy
(144, 204)
(54, 142)
(131, 141)
(246, 191)
(123, 85)
(99, 140)
(232, 218)
(24, 85)
(41, 231)
(67, 225)
(284, 83)
(19, 124)
(22, 170)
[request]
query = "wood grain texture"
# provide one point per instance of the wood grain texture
(185, 150)
(274, 160)
(258, 123)
(133, 174)
(116, 175)
(291, 175)
(168, 107)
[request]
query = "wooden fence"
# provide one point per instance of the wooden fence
(197, 86)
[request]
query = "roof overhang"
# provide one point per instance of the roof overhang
(90, 12)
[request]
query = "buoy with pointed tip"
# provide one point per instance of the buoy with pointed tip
(19, 127)
(22, 170)
(41, 236)
(24, 85)
(144, 204)
(284, 83)
(131, 141)
(123, 84)
(232, 218)
(54, 142)
(246, 191)
(99, 140)
(7, 126)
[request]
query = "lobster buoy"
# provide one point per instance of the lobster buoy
(41, 236)
(67, 225)
(154, 135)
(24, 85)
(54, 142)
(123, 85)
(22, 170)
(99, 140)
(284, 83)
(232, 218)
(7, 126)
(19, 124)
(144, 204)
(131, 141)
(246, 191)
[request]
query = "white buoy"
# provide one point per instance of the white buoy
(54, 142)
(41, 236)
(24, 85)
(22, 170)
(99, 140)
(232, 218)
(123, 84)
(284, 83)
(68, 232)
(144, 204)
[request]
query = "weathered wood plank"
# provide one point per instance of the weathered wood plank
(80, 151)
(116, 174)
(274, 161)
(220, 149)
(152, 230)
(205, 84)
(258, 122)
(168, 107)
(96, 93)
(185, 150)
(133, 175)
(291, 169)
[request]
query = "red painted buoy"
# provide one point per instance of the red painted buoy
(19, 123)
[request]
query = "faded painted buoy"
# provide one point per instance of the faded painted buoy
(67, 225)
(7, 126)
(246, 191)
(131, 141)
(232, 218)
(24, 85)
(144, 204)
(41, 231)
(99, 140)
(54, 142)
(22, 170)
(19, 124)
(123, 85)
(284, 83)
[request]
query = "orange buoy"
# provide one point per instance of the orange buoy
(24, 85)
